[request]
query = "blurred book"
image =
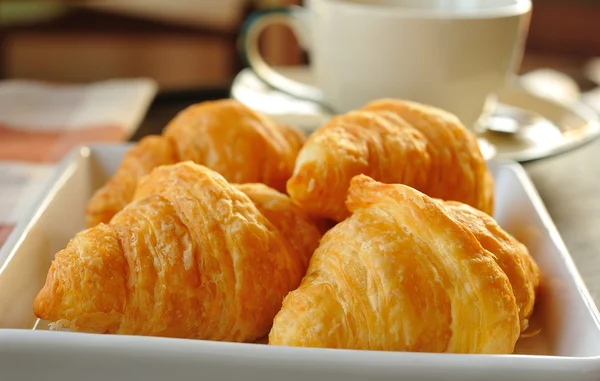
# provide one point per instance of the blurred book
(173, 61)
(99, 40)
(222, 15)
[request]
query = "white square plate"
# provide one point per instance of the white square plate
(568, 346)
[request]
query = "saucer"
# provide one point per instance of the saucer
(523, 127)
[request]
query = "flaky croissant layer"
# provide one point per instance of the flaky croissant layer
(407, 272)
(392, 141)
(192, 256)
(241, 144)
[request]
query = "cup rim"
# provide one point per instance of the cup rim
(520, 7)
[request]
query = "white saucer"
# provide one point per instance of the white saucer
(556, 127)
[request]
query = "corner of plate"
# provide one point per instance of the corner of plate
(85, 151)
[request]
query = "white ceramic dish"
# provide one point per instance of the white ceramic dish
(568, 346)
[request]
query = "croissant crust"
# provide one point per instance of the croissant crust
(242, 145)
(191, 256)
(392, 141)
(407, 272)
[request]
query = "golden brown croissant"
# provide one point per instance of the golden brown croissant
(242, 145)
(403, 273)
(511, 255)
(392, 141)
(191, 256)
(150, 152)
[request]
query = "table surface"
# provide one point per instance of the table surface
(569, 185)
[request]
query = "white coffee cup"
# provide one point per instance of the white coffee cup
(452, 54)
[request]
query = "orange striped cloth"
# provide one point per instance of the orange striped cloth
(41, 122)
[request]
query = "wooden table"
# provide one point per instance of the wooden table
(569, 185)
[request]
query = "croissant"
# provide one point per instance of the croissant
(242, 145)
(191, 257)
(407, 272)
(511, 255)
(392, 141)
(302, 231)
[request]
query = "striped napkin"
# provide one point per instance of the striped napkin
(41, 122)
